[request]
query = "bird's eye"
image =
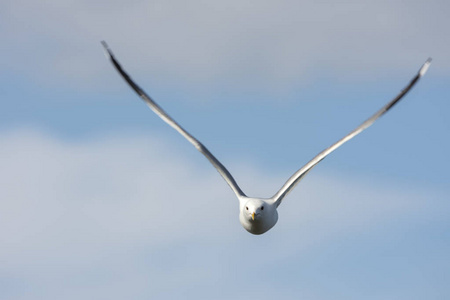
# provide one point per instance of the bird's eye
(262, 207)
(246, 207)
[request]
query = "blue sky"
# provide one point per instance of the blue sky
(101, 199)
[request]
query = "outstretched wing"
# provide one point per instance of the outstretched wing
(166, 118)
(294, 179)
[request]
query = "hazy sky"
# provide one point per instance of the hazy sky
(99, 199)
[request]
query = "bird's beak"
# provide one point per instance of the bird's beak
(253, 216)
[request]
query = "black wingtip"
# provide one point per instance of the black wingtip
(108, 52)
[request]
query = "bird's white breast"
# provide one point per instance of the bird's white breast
(259, 226)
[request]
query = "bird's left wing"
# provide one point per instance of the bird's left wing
(166, 118)
(294, 179)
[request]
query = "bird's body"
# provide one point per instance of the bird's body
(259, 215)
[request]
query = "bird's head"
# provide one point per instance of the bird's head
(254, 209)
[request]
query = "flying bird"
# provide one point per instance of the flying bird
(258, 215)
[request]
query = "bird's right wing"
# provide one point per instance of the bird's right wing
(294, 179)
(166, 118)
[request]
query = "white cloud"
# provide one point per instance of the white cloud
(131, 216)
(264, 44)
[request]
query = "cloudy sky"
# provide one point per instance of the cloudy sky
(99, 199)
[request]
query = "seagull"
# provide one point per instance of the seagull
(258, 215)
